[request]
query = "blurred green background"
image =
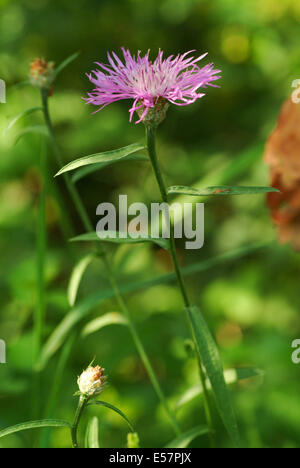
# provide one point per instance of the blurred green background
(251, 304)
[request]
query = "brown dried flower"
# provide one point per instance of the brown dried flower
(42, 73)
(283, 156)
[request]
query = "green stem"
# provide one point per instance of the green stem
(41, 257)
(40, 310)
(102, 253)
(83, 400)
(150, 135)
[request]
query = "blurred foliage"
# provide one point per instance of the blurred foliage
(252, 305)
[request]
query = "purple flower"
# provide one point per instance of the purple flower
(176, 79)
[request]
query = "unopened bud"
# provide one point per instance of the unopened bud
(133, 440)
(91, 382)
(156, 114)
(42, 74)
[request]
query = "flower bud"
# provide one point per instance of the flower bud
(91, 382)
(42, 74)
(156, 114)
(133, 440)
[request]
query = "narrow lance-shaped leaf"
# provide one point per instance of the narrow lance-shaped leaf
(87, 170)
(20, 85)
(76, 278)
(33, 425)
(66, 62)
(35, 130)
(120, 238)
(113, 408)
(20, 116)
(231, 376)
(60, 333)
(211, 360)
(92, 434)
(219, 190)
(186, 438)
(107, 156)
(112, 318)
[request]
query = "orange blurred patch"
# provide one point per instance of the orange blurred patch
(283, 157)
(229, 334)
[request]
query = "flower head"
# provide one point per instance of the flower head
(174, 79)
(42, 74)
(91, 381)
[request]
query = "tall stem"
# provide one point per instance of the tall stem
(102, 253)
(150, 135)
(80, 408)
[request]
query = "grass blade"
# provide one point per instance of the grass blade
(186, 438)
(114, 237)
(210, 357)
(60, 333)
(112, 318)
(54, 394)
(219, 190)
(113, 408)
(231, 376)
(33, 425)
(20, 116)
(35, 130)
(66, 62)
(92, 434)
(108, 156)
(87, 170)
(76, 278)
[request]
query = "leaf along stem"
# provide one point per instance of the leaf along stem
(150, 136)
(102, 253)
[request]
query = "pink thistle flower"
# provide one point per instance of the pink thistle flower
(175, 79)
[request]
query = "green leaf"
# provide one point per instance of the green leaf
(76, 277)
(112, 318)
(113, 408)
(210, 357)
(219, 190)
(60, 333)
(35, 129)
(33, 425)
(87, 170)
(231, 376)
(113, 236)
(107, 156)
(186, 438)
(20, 85)
(66, 62)
(92, 434)
(20, 116)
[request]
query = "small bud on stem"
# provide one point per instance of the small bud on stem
(91, 382)
(42, 74)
